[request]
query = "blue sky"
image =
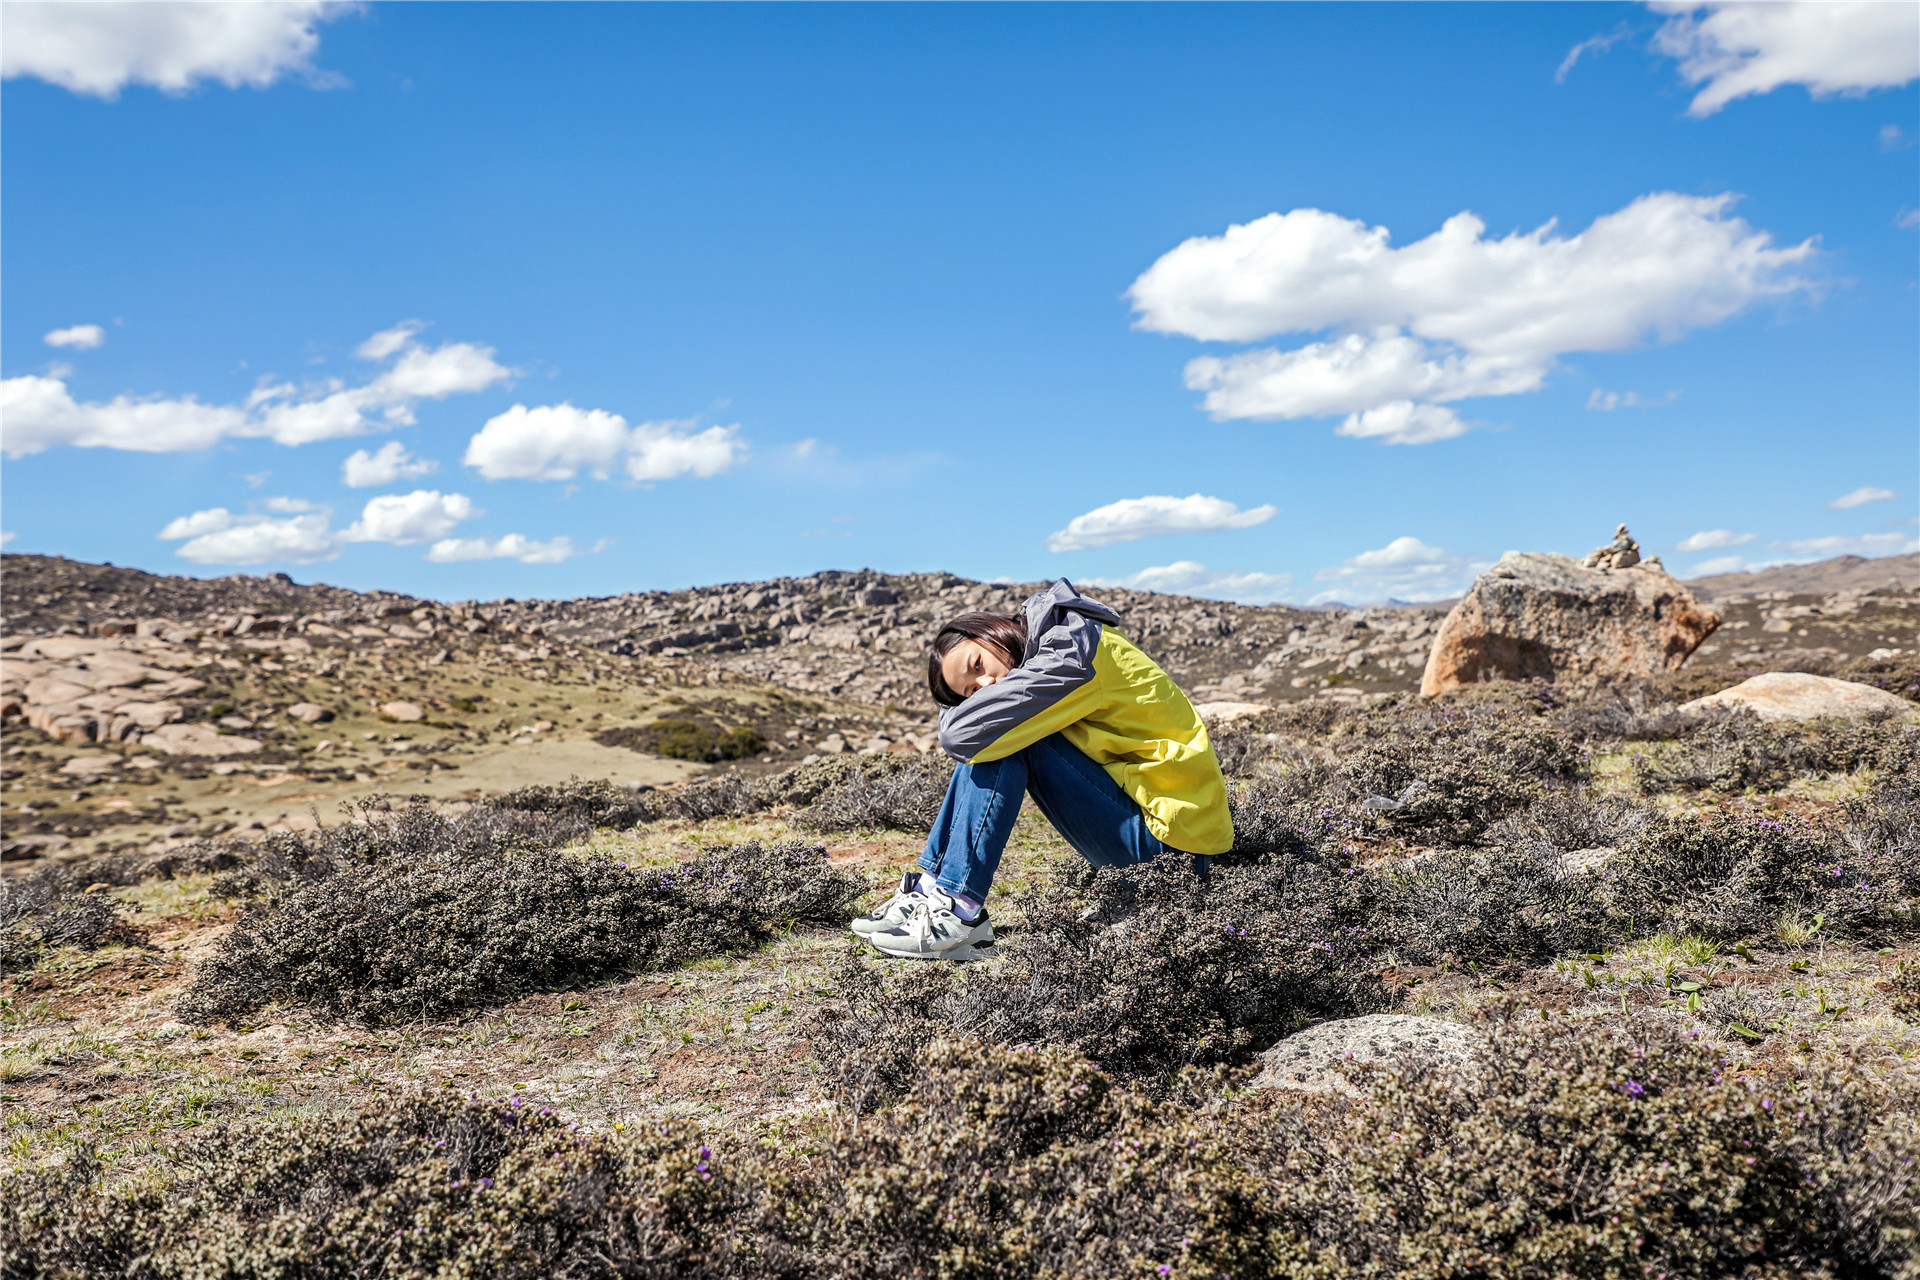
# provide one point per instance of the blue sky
(592, 298)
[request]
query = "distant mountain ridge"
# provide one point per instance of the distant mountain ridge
(1842, 573)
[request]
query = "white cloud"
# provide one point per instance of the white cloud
(558, 442)
(1403, 422)
(405, 518)
(1719, 564)
(100, 48)
(666, 450)
(7, 537)
(220, 537)
(1152, 517)
(1738, 49)
(1714, 540)
(291, 506)
(513, 546)
(1593, 44)
(1894, 138)
(1404, 569)
(1608, 401)
(1860, 497)
(80, 337)
(1190, 578)
(387, 341)
(1907, 219)
(39, 413)
(1453, 316)
(1866, 544)
(388, 463)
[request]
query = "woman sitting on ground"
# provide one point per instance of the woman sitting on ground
(1051, 702)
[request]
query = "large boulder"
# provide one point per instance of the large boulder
(1793, 695)
(1536, 615)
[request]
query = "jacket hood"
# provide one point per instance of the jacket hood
(1047, 609)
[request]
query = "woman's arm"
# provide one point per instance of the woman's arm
(1042, 695)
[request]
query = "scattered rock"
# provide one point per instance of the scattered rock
(1310, 1060)
(1793, 695)
(1537, 615)
(28, 848)
(402, 711)
(90, 766)
(1583, 860)
(310, 712)
(197, 740)
(833, 744)
(1222, 712)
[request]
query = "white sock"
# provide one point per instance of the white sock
(968, 908)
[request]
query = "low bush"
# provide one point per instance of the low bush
(1477, 761)
(1735, 753)
(683, 739)
(1576, 1154)
(1574, 820)
(1566, 1154)
(426, 1186)
(418, 916)
(902, 799)
(591, 803)
(1146, 970)
(1512, 903)
(1882, 828)
(51, 908)
(1733, 876)
(887, 783)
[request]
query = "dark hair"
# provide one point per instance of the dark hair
(1001, 631)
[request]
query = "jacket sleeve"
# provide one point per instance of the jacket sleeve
(1042, 695)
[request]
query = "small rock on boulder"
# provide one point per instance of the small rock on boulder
(1792, 695)
(1536, 615)
(1311, 1060)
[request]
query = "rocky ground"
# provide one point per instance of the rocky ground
(147, 716)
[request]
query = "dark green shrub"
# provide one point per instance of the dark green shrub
(1479, 761)
(1883, 830)
(1573, 1154)
(594, 803)
(1145, 971)
(1293, 811)
(1566, 1154)
(732, 796)
(1509, 903)
(51, 908)
(427, 1186)
(902, 799)
(1733, 875)
(419, 916)
(683, 739)
(1734, 753)
(1574, 820)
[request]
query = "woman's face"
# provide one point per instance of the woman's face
(971, 666)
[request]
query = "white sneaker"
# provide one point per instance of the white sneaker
(892, 913)
(934, 932)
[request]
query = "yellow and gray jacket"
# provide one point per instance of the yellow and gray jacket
(1085, 681)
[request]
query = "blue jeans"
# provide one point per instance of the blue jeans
(1080, 799)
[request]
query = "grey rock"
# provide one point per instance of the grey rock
(1311, 1060)
(1793, 695)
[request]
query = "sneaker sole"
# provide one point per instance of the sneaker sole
(957, 955)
